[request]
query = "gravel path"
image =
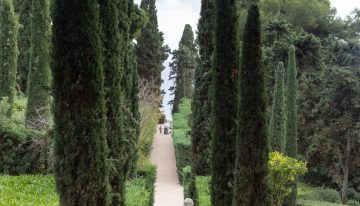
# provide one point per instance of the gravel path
(168, 191)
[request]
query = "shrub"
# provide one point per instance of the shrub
(203, 191)
(186, 175)
(353, 203)
(308, 194)
(353, 194)
(182, 141)
(148, 172)
(283, 170)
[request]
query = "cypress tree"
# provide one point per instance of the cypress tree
(225, 71)
(150, 49)
(8, 51)
(183, 66)
(277, 121)
(81, 170)
(291, 148)
(201, 102)
(39, 80)
(252, 146)
(113, 71)
(23, 8)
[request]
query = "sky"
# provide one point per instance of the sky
(174, 14)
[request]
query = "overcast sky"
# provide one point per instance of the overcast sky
(174, 14)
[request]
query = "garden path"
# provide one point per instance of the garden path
(168, 191)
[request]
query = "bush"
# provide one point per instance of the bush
(182, 141)
(18, 154)
(148, 172)
(353, 203)
(203, 191)
(308, 194)
(283, 170)
(353, 194)
(186, 175)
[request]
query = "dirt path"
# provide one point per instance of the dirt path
(168, 191)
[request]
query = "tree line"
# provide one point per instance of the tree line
(304, 102)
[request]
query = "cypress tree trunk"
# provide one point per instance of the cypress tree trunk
(113, 69)
(39, 80)
(291, 148)
(8, 52)
(277, 121)
(225, 71)
(251, 185)
(201, 102)
(81, 168)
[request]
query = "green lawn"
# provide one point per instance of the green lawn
(40, 191)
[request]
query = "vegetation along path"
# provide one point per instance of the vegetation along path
(168, 191)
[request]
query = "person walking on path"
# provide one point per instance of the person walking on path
(160, 129)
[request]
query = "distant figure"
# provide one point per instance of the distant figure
(160, 129)
(166, 130)
(188, 202)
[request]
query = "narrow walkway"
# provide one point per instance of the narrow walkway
(168, 191)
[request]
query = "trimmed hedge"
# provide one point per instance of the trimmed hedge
(40, 190)
(181, 138)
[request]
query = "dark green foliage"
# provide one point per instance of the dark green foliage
(182, 68)
(17, 153)
(291, 148)
(201, 103)
(81, 168)
(150, 49)
(8, 51)
(224, 102)
(291, 106)
(252, 151)
(130, 85)
(23, 8)
(277, 121)
(39, 80)
(113, 70)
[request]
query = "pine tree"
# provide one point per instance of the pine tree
(277, 121)
(23, 8)
(201, 102)
(39, 80)
(150, 49)
(183, 65)
(113, 49)
(8, 51)
(252, 152)
(225, 71)
(81, 168)
(291, 148)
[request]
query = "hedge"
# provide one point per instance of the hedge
(181, 138)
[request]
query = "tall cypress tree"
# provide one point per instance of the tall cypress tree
(201, 102)
(150, 49)
(39, 80)
(277, 121)
(182, 68)
(23, 8)
(225, 71)
(291, 148)
(8, 51)
(81, 168)
(113, 70)
(251, 186)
